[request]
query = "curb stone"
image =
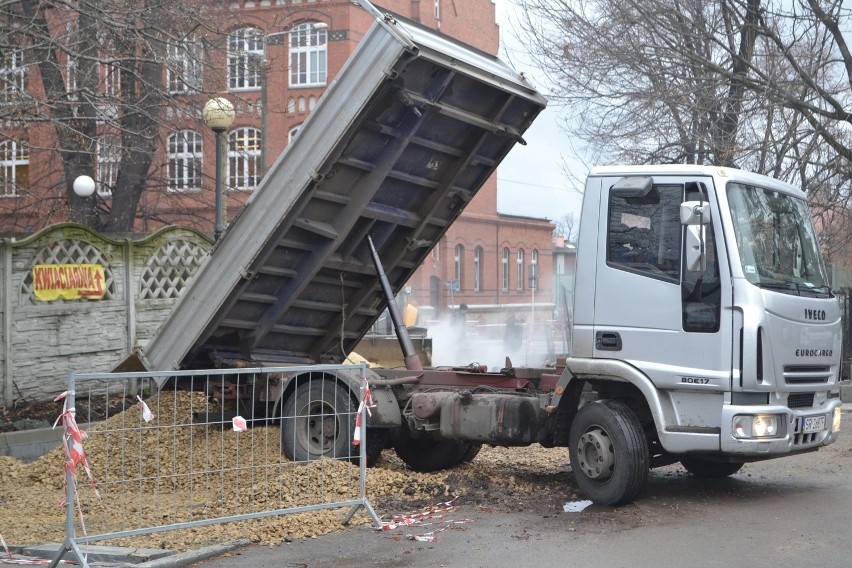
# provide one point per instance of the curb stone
(179, 560)
(192, 556)
(182, 559)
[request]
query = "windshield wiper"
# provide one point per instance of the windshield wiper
(794, 288)
(788, 287)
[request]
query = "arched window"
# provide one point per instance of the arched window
(308, 55)
(477, 269)
(520, 262)
(505, 272)
(459, 263)
(109, 160)
(244, 158)
(14, 167)
(185, 160)
(245, 58)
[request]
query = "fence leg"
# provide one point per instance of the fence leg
(362, 452)
(70, 491)
(70, 545)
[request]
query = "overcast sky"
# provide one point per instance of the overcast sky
(531, 180)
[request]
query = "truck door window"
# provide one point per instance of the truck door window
(701, 292)
(644, 233)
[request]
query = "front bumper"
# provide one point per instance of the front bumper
(792, 439)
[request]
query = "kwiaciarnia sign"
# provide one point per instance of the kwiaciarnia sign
(68, 282)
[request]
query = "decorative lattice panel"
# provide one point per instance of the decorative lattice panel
(67, 251)
(169, 270)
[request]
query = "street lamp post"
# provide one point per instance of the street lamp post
(218, 114)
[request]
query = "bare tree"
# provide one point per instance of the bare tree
(760, 84)
(566, 227)
(101, 87)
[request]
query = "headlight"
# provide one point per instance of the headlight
(835, 424)
(757, 426)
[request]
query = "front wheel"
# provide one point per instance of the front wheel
(710, 469)
(318, 420)
(608, 452)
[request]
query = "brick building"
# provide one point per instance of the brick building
(273, 64)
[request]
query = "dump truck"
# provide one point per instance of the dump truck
(704, 328)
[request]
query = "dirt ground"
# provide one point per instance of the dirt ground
(497, 479)
(532, 480)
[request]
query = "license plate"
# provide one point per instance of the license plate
(813, 424)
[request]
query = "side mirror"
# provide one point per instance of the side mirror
(694, 213)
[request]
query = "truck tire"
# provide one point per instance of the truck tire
(471, 452)
(710, 469)
(429, 453)
(318, 420)
(608, 452)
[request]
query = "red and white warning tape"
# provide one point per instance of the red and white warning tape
(424, 519)
(74, 454)
(366, 402)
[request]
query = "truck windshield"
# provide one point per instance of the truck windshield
(776, 240)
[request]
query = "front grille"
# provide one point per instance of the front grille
(800, 400)
(806, 374)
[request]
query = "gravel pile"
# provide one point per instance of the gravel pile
(164, 490)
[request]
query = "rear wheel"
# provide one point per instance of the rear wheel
(608, 452)
(710, 469)
(428, 453)
(471, 452)
(318, 421)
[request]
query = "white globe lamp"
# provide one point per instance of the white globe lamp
(84, 186)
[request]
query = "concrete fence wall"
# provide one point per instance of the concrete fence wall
(41, 341)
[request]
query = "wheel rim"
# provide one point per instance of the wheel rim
(596, 454)
(318, 428)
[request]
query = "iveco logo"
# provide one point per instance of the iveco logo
(818, 315)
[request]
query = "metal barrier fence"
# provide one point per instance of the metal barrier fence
(166, 451)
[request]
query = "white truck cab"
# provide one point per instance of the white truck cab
(704, 288)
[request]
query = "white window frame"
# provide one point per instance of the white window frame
(245, 59)
(477, 269)
(308, 55)
(458, 261)
(111, 75)
(184, 73)
(244, 158)
(185, 165)
(14, 160)
(534, 269)
(520, 263)
(71, 62)
(12, 76)
(505, 265)
(109, 160)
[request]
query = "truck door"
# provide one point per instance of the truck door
(649, 310)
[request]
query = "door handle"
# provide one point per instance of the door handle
(608, 341)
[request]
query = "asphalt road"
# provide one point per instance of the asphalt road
(795, 511)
